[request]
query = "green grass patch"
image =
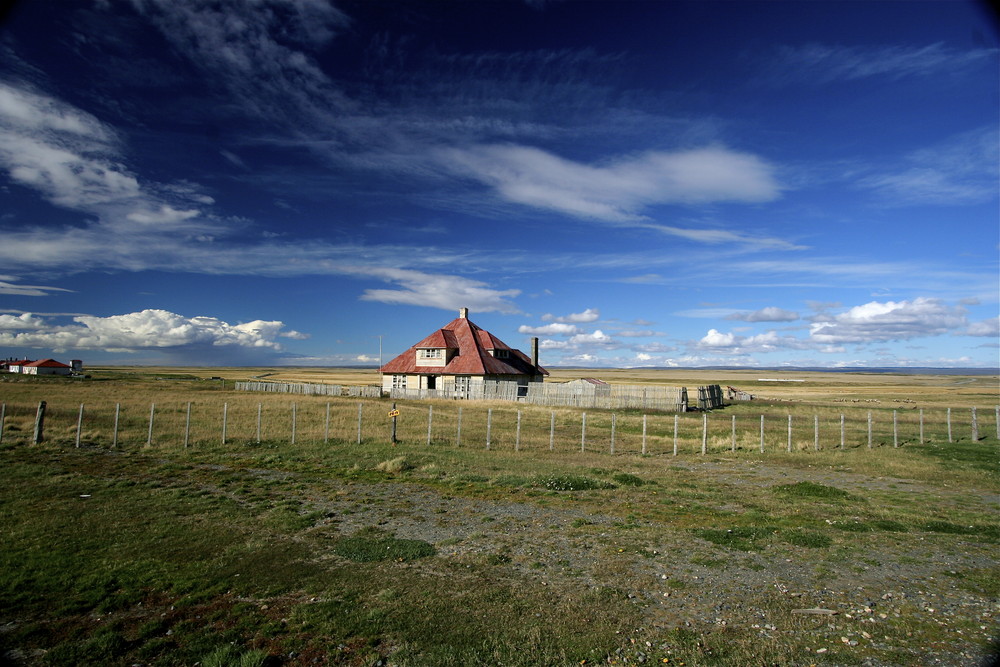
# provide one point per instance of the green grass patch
(812, 490)
(744, 538)
(567, 482)
(369, 546)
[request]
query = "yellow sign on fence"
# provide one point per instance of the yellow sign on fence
(393, 413)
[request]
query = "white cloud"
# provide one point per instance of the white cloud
(22, 322)
(768, 314)
(888, 321)
(823, 63)
(988, 328)
(598, 337)
(438, 291)
(554, 329)
(8, 287)
(617, 191)
(589, 315)
(144, 330)
(965, 169)
(715, 338)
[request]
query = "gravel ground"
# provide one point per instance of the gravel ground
(826, 603)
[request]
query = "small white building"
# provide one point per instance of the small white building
(46, 367)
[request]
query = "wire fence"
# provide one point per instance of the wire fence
(343, 422)
(566, 394)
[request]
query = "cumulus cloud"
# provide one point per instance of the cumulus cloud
(598, 337)
(987, 328)
(616, 191)
(144, 330)
(769, 314)
(589, 315)
(889, 321)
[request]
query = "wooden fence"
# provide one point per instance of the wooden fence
(608, 397)
(342, 421)
(354, 391)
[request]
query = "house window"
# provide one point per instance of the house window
(399, 382)
(462, 384)
(500, 354)
(430, 354)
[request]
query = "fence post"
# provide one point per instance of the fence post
(996, 417)
(869, 429)
(3, 418)
(39, 435)
(458, 431)
(583, 432)
(295, 414)
(187, 425)
(326, 425)
(644, 435)
(949, 425)
(552, 431)
(517, 436)
(149, 435)
(430, 420)
(816, 432)
(841, 430)
(704, 432)
(225, 421)
(921, 426)
(360, 407)
(789, 433)
(762, 434)
(79, 425)
(895, 429)
(975, 426)
(613, 433)
(114, 433)
(392, 433)
(489, 426)
(675, 434)
(733, 446)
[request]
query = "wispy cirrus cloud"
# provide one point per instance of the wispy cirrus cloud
(964, 169)
(617, 191)
(827, 63)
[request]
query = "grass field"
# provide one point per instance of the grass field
(327, 551)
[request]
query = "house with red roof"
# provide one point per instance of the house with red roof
(459, 359)
(46, 367)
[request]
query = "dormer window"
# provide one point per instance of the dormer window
(500, 354)
(434, 353)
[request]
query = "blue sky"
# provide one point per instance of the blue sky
(635, 183)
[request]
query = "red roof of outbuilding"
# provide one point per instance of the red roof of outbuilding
(472, 358)
(47, 363)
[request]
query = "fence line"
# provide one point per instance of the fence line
(116, 425)
(565, 394)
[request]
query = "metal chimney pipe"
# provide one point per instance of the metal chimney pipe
(534, 352)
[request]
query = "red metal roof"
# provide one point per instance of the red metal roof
(473, 357)
(47, 363)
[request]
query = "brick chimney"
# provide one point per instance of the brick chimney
(463, 313)
(534, 351)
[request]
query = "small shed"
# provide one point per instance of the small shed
(46, 367)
